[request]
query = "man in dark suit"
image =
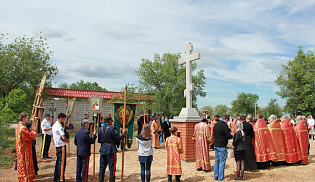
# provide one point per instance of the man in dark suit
(108, 137)
(83, 141)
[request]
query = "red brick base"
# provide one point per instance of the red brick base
(186, 130)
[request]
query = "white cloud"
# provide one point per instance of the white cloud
(241, 42)
(251, 44)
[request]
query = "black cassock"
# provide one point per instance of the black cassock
(250, 159)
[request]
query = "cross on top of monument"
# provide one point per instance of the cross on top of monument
(187, 60)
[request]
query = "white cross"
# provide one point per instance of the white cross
(187, 60)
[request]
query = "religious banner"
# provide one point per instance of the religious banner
(130, 115)
(96, 109)
(95, 104)
(70, 107)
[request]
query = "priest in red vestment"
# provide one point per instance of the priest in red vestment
(156, 129)
(202, 138)
(277, 138)
(302, 136)
(24, 156)
(264, 148)
(174, 148)
(293, 152)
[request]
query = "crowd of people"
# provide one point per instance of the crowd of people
(254, 143)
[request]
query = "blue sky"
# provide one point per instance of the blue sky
(242, 43)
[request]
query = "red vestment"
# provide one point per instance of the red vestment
(278, 139)
(155, 127)
(302, 136)
(213, 122)
(173, 146)
(293, 152)
(24, 156)
(202, 138)
(264, 148)
(233, 127)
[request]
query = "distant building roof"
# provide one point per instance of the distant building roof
(66, 93)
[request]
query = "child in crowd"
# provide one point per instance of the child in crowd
(145, 150)
(239, 151)
(174, 149)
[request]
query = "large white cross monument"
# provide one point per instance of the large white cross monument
(189, 112)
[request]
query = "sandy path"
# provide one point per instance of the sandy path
(287, 173)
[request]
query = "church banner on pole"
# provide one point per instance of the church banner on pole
(130, 115)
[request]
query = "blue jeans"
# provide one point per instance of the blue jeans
(219, 164)
(145, 171)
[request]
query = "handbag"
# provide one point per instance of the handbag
(230, 153)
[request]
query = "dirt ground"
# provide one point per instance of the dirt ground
(294, 172)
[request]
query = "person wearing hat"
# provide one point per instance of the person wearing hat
(108, 137)
(46, 136)
(83, 141)
(86, 115)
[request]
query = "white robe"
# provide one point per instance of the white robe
(311, 123)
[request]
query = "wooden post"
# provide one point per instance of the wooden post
(124, 126)
(68, 130)
(94, 148)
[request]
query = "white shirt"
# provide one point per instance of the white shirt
(57, 131)
(46, 124)
(311, 122)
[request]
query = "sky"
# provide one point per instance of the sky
(242, 43)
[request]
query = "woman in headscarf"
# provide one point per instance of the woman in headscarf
(239, 151)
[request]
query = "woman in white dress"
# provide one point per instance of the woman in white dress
(311, 127)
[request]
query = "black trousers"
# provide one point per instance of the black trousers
(46, 144)
(110, 160)
(177, 177)
(82, 168)
(60, 167)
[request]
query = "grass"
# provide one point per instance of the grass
(7, 149)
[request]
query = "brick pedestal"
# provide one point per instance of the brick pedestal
(186, 129)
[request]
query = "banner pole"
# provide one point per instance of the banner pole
(68, 130)
(94, 146)
(124, 119)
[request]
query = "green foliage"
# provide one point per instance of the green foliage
(164, 79)
(272, 108)
(244, 104)
(81, 85)
(221, 110)
(11, 106)
(297, 83)
(23, 62)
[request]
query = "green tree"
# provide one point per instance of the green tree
(244, 104)
(10, 107)
(221, 110)
(81, 85)
(297, 83)
(164, 79)
(16, 101)
(272, 108)
(23, 62)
